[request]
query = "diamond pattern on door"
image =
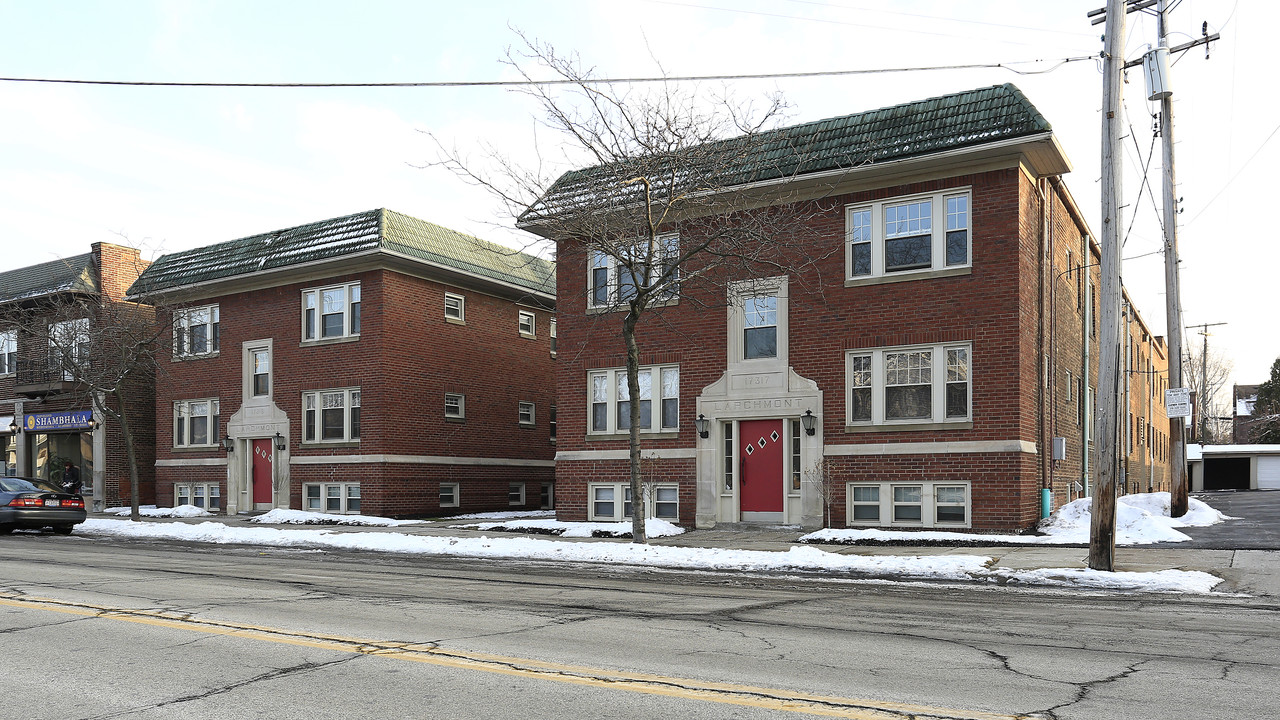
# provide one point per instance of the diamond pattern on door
(750, 449)
(774, 436)
(762, 442)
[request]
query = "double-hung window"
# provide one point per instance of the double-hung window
(455, 307)
(339, 497)
(913, 234)
(613, 277)
(760, 327)
(525, 413)
(195, 331)
(196, 423)
(921, 504)
(611, 502)
(331, 415)
(455, 406)
(206, 496)
(610, 399)
(69, 346)
(526, 324)
(260, 372)
(331, 312)
(929, 384)
(8, 352)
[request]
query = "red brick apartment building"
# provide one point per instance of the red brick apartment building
(944, 348)
(373, 363)
(46, 417)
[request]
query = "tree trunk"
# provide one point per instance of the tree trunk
(126, 435)
(633, 434)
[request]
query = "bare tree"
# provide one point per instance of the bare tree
(684, 195)
(1264, 425)
(822, 478)
(1208, 376)
(106, 350)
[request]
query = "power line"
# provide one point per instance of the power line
(588, 81)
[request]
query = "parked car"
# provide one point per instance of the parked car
(34, 504)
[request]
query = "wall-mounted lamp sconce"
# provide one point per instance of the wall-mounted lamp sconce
(808, 420)
(280, 442)
(93, 425)
(703, 426)
(14, 427)
(229, 444)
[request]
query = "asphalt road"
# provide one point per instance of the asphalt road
(110, 629)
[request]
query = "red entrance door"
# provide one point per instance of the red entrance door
(760, 465)
(262, 471)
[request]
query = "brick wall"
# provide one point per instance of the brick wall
(406, 358)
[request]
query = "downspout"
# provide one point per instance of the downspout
(1086, 396)
(1044, 359)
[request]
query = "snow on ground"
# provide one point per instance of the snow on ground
(1141, 519)
(281, 516)
(811, 559)
(182, 511)
(504, 515)
(653, 527)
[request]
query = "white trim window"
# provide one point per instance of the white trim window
(610, 401)
(196, 331)
(525, 413)
(611, 502)
(8, 352)
(340, 498)
(455, 406)
(547, 496)
(908, 234)
(455, 307)
(207, 496)
(259, 372)
(69, 346)
(450, 494)
(196, 423)
(515, 494)
(914, 504)
(551, 332)
(331, 312)
(924, 384)
(612, 279)
(331, 415)
(526, 324)
(760, 327)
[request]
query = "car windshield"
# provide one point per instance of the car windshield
(16, 484)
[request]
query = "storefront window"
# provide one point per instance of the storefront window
(52, 451)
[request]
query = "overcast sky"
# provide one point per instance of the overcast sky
(167, 169)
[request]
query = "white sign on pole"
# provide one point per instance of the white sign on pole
(1177, 402)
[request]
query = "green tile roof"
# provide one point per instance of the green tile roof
(372, 231)
(73, 274)
(964, 119)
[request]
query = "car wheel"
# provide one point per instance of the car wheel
(63, 529)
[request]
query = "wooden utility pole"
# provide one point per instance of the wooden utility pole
(1203, 397)
(1102, 530)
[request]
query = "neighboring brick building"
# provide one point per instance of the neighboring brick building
(372, 363)
(48, 418)
(940, 341)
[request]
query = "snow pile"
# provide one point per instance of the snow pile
(281, 516)
(803, 559)
(951, 567)
(1141, 519)
(505, 515)
(653, 527)
(182, 511)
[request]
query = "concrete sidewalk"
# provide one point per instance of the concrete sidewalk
(1253, 572)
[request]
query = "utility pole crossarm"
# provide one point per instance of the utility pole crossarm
(1179, 48)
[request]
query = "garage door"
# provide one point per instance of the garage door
(1269, 473)
(1226, 473)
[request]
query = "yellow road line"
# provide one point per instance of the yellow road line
(687, 688)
